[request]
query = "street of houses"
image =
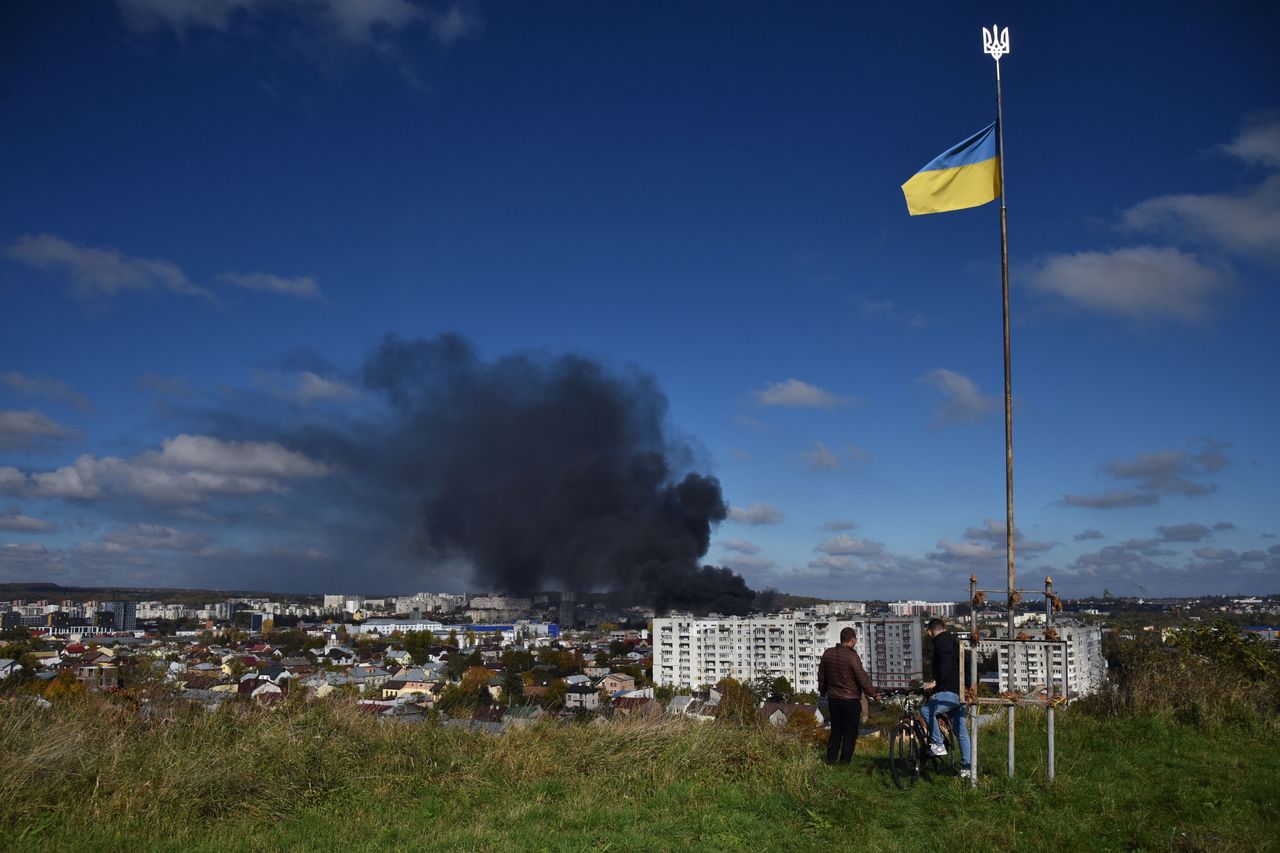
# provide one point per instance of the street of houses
(490, 686)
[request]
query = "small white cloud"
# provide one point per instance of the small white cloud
(849, 546)
(820, 458)
(239, 458)
(796, 394)
(13, 519)
(1259, 143)
(302, 287)
(30, 429)
(740, 546)
(104, 271)
(961, 400)
(313, 387)
(755, 515)
(1143, 283)
(43, 386)
(1246, 223)
(455, 23)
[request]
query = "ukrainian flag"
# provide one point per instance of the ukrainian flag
(965, 175)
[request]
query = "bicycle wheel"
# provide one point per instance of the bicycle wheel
(904, 757)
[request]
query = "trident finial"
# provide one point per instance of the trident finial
(995, 42)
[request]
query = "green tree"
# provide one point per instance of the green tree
(512, 687)
(737, 704)
(780, 690)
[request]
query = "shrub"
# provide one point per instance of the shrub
(1205, 675)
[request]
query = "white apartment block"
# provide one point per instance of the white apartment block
(841, 608)
(922, 608)
(500, 602)
(890, 648)
(1024, 669)
(690, 651)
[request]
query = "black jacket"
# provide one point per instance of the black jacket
(946, 663)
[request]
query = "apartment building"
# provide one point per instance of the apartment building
(922, 608)
(691, 651)
(1024, 666)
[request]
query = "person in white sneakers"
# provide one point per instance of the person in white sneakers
(946, 693)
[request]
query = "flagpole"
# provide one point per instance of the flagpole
(996, 43)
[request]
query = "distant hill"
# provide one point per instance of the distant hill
(57, 592)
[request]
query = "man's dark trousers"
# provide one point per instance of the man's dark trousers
(846, 717)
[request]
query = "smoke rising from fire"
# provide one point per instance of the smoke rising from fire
(549, 472)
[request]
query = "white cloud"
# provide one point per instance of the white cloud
(1144, 283)
(26, 430)
(840, 525)
(849, 546)
(755, 515)
(820, 458)
(962, 401)
(311, 387)
(798, 395)
(457, 22)
(102, 272)
(1246, 223)
(740, 546)
(364, 22)
(303, 287)
(13, 519)
(1259, 143)
(305, 386)
(1189, 532)
(181, 15)
(43, 386)
(186, 470)
(835, 565)
(144, 537)
(239, 458)
(358, 19)
(1157, 474)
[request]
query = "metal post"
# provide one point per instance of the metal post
(996, 44)
(1048, 625)
(973, 681)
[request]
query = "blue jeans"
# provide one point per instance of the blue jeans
(948, 703)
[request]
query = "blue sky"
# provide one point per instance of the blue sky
(215, 209)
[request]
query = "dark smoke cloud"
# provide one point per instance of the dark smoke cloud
(542, 472)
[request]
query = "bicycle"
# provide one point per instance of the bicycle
(909, 754)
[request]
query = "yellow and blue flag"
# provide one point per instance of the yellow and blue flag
(965, 175)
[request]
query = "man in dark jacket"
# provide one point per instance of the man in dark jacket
(843, 681)
(946, 696)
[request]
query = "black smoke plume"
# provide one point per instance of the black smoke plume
(550, 472)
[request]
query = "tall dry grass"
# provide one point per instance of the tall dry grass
(1207, 676)
(175, 765)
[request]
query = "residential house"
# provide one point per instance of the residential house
(617, 682)
(367, 676)
(521, 716)
(405, 683)
(636, 706)
(582, 696)
(778, 713)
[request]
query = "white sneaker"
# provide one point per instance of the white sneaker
(937, 749)
(966, 773)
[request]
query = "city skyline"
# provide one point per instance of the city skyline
(226, 211)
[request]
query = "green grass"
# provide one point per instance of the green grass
(88, 775)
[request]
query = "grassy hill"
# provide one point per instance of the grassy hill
(94, 774)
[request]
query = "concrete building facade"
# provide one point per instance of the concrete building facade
(692, 652)
(1026, 667)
